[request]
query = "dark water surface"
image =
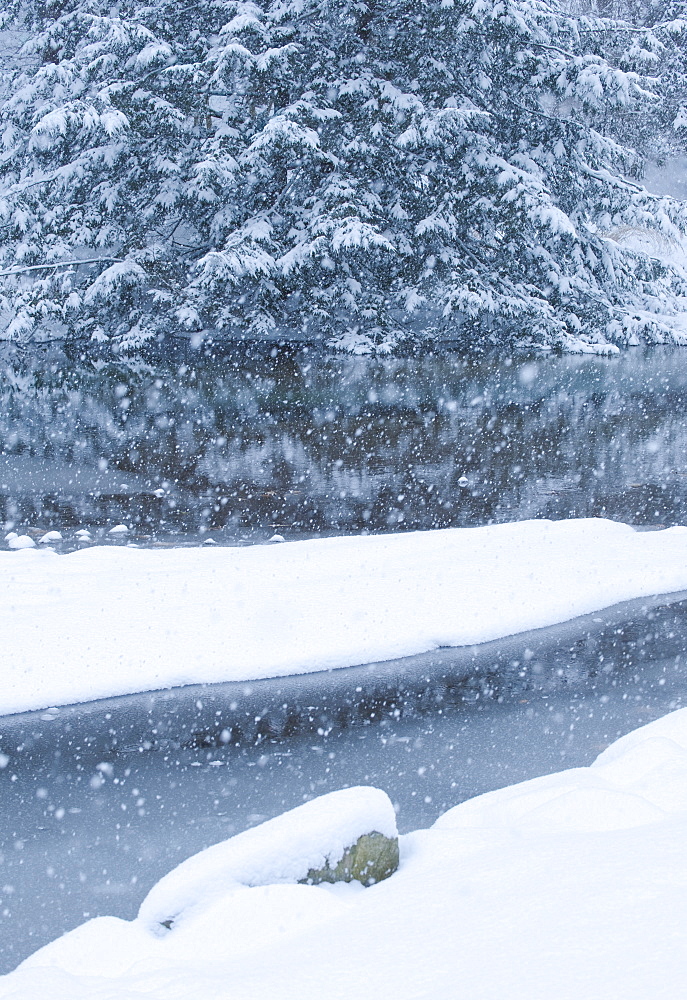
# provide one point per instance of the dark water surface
(236, 447)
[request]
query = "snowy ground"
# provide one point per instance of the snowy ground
(109, 621)
(569, 886)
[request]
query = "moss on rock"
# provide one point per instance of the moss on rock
(371, 859)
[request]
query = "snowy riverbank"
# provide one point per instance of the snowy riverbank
(571, 885)
(111, 621)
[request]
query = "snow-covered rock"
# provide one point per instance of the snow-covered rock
(119, 529)
(50, 536)
(290, 848)
(21, 542)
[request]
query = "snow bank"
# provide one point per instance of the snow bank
(110, 621)
(569, 886)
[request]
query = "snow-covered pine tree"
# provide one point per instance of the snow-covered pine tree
(94, 163)
(651, 39)
(373, 173)
(668, 23)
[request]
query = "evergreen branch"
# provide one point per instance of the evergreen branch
(61, 263)
(617, 182)
(553, 48)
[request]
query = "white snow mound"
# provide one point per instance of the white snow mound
(21, 542)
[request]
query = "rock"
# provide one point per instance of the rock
(21, 542)
(371, 859)
(50, 536)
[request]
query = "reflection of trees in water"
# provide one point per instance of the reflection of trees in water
(317, 443)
